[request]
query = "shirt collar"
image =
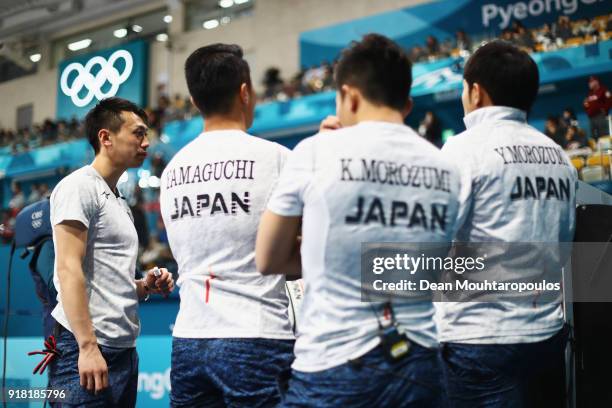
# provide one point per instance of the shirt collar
(493, 113)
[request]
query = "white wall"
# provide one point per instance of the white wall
(39, 89)
(269, 38)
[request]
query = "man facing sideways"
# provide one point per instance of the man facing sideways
(517, 186)
(232, 340)
(342, 187)
(96, 248)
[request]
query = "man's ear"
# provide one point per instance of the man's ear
(354, 97)
(480, 96)
(104, 138)
(245, 93)
(476, 95)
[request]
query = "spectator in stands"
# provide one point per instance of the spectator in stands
(575, 138)
(18, 200)
(34, 195)
(568, 118)
(507, 35)
(555, 131)
(545, 37)
(292, 90)
(597, 104)
(163, 102)
(74, 127)
(63, 134)
(584, 28)
(273, 83)
(524, 39)
(49, 131)
(463, 41)
(43, 189)
(563, 30)
(446, 47)
(417, 53)
(431, 129)
(432, 47)
(37, 135)
(176, 110)
(23, 138)
(328, 76)
(314, 78)
(516, 25)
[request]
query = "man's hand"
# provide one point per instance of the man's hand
(330, 123)
(93, 370)
(163, 285)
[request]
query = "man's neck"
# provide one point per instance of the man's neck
(109, 171)
(380, 115)
(229, 122)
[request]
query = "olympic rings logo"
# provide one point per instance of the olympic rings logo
(94, 84)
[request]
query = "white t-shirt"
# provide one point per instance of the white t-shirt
(343, 183)
(109, 264)
(213, 193)
(500, 156)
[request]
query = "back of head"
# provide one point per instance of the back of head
(508, 74)
(379, 68)
(214, 74)
(107, 115)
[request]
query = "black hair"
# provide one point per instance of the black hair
(508, 74)
(214, 74)
(107, 115)
(379, 68)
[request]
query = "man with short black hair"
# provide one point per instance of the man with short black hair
(96, 247)
(517, 185)
(340, 187)
(232, 340)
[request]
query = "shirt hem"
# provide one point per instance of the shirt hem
(229, 335)
(285, 213)
(504, 337)
(101, 341)
(313, 368)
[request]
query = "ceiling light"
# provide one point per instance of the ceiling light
(79, 45)
(226, 3)
(136, 28)
(35, 57)
(210, 24)
(167, 19)
(161, 37)
(241, 1)
(120, 33)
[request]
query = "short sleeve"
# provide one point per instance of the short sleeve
(287, 198)
(74, 199)
(283, 152)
